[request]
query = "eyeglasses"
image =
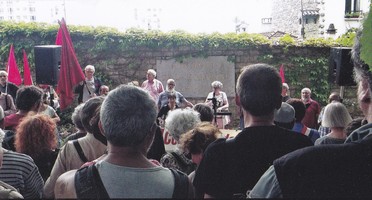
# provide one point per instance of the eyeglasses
(2, 76)
(170, 84)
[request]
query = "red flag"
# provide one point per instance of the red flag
(281, 72)
(13, 73)
(70, 72)
(59, 37)
(27, 78)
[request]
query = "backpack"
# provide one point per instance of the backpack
(88, 184)
(9, 192)
(8, 142)
(185, 167)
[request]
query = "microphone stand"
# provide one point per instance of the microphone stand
(214, 102)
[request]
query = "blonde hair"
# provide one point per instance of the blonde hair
(336, 115)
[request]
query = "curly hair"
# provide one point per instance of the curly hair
(35, 134)
(197, 140)
(179, 121)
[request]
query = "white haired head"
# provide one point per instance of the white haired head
(216, 84)
(151, 71)
(180, 121)
(90, 67)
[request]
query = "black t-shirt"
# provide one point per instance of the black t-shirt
(233, 167)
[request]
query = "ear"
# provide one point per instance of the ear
(237, 100)
(278, 102)
(149, 139)
(100, 127)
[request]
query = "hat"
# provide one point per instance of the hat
(285, 114)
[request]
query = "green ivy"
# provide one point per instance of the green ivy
(103, 45)
(300, 72)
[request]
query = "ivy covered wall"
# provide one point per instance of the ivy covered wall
(123, 57)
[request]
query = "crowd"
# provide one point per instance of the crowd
(289, 147)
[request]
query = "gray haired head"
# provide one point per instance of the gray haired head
(180, 121)
(361, 69)
(127, 115)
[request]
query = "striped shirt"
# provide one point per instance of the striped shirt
(20, 171)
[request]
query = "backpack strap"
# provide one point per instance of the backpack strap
(181, 185)
(6, 102)
(80, 151)
(186, 167)
(88, 184)
(179, 159)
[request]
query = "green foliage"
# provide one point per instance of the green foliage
(347, 39)
(102, 46)
(365, 40)
(287, 40)
(320, 42)
(300, 72)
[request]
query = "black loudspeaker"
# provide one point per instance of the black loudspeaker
(341, 67)
(47, 64)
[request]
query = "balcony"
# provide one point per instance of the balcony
(354, 14)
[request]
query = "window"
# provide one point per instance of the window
(266, 20)
(33, 18)
(352, 6)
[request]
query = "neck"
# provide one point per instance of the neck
(22, 112)
(338, 133)
(172, 106)
(127, 156)
(250, 120)
(306, 100)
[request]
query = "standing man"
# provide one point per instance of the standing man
(312, 109)
(152, 85)
(89, 87)
(4, 83)
(285, 92)
(125, 172)
(180, 99)
(231, 167)
(328, 171)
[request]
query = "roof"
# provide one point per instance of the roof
(311, 12)
(276, 34)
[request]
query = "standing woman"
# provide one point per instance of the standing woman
(152, 85)
(222, 104)
(36, 137)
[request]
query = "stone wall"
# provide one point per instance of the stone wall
(131, 67)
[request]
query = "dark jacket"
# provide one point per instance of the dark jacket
(327, 171)
(80, 88)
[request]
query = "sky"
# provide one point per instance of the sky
(194, 16)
